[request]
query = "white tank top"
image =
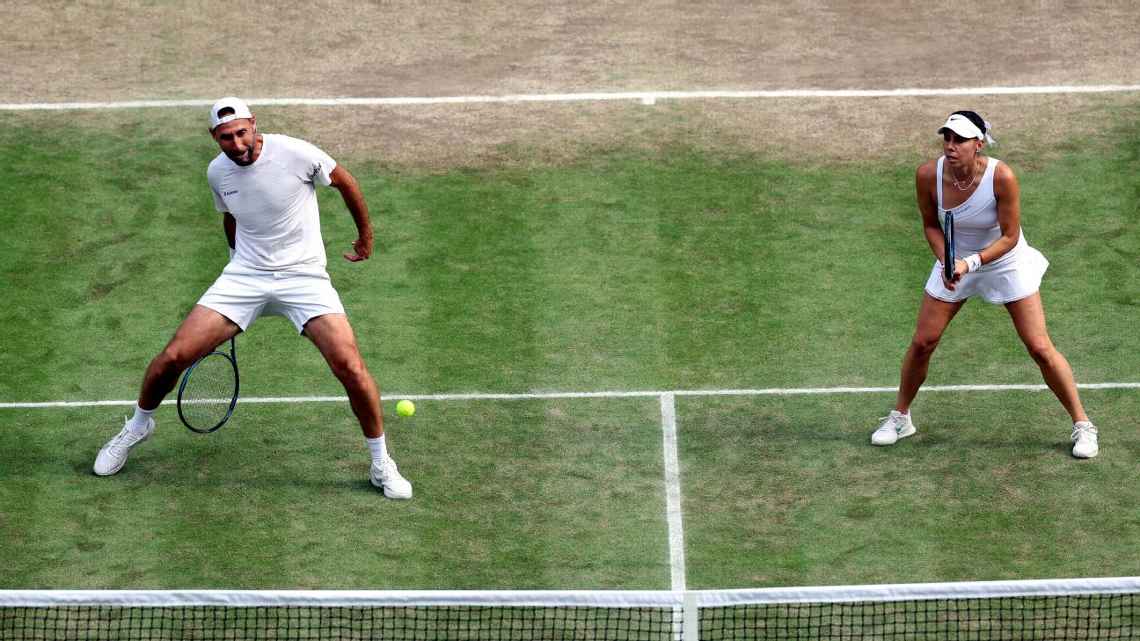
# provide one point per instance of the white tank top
(976, 220)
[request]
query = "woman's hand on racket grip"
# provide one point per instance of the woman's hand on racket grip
(961, 268)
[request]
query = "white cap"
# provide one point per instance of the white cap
(240, 110)
(965, 128)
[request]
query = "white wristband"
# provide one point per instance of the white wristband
(231, 252)
(973, 262)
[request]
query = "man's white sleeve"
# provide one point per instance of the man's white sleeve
(219, 204)
(313, 163)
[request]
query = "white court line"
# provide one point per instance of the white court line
(645, 97)
(475, 396)
(673, 493)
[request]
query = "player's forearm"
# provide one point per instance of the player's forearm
(998, 248)
(354, 201)
(935, 240)
(359, 212)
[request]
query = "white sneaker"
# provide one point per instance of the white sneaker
(113, 456)
(387, 477)
(894, 426)
(1085, 440)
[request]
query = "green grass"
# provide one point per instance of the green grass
(790, 490)
(626, 272)
(530, 494)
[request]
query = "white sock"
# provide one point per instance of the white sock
(139, 420)
(378, 449)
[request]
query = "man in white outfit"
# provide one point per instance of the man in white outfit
(265, 187)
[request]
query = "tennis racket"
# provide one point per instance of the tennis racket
(948, 258)
(209, 391)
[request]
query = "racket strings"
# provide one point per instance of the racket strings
(209, 391)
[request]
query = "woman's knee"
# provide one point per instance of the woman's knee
(1041, 350)
(924, 344)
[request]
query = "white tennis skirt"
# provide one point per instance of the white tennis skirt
(1009, 279)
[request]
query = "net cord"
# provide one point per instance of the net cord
(571, 598)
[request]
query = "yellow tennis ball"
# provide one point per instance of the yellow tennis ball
(405, 408)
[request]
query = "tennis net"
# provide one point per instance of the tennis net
(1039, 610)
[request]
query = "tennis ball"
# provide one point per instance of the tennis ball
(405, 408)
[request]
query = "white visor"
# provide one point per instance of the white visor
(962, 126)
(240, 110)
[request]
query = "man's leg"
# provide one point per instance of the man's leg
(201, 331)
(334, 338)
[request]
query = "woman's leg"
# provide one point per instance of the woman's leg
(933, 318)
(1028, 316)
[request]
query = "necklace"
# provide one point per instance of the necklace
(962, 185)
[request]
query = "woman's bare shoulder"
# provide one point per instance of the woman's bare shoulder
(927, 170)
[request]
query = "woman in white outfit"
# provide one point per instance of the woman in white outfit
(997, 264)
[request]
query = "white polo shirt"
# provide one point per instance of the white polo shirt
(274, 202)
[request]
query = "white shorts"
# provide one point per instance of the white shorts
(1008, 280)
(242, 294)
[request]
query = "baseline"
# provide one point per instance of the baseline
(645, 97)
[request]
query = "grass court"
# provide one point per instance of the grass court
(628, 269)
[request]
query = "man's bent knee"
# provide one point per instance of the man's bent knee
(171, 360)
(181, 353)
(349, 369)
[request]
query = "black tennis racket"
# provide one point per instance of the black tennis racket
(209, 391)
(948, 258)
